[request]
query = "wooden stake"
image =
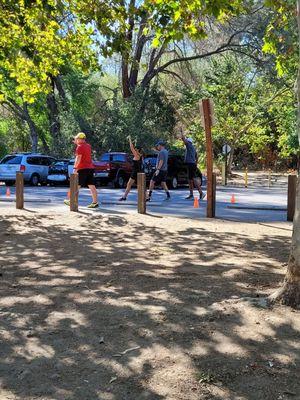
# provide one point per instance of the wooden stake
(74, 192)
(19, 191)
(141, 184)
(270, 177)
(291, 200)
(209, 156)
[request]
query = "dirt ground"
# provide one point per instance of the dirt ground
(120, 307)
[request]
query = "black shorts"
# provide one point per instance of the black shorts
(86, 177)
(193, 172)
(161, 177)
(134, 174)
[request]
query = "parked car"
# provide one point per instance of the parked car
(113, 168)
(35, 168)
(177, 169)
(58, 172)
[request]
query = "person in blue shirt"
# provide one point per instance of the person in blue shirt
(191, 160)
(160, 175)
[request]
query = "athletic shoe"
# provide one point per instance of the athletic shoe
(148, 199)
(168, 198)
(202, 195)
(189, 197)
(122, 198)
(93, 205)
(67, 202)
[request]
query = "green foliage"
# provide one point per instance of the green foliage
(146, 117)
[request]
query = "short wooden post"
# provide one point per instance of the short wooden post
(74, 192)
(224, 183)
(141, 184)
(246, 177)
(19, 191)
(214, 185)
(207, 115)
(291, 200)
(269, 178)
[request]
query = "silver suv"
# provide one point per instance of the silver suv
(34, 167)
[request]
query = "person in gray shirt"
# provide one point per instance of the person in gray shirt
(191, 160)
(160, 175)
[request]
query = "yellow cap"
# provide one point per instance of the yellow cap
(80, 135)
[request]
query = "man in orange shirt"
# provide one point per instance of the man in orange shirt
(84, 166)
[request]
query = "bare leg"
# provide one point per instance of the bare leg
(191, 186)
(165, 187)
(128, 187)
(94, 193)
(197, 183)
(151, 187)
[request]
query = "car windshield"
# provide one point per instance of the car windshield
(59, 164)
(12, 160)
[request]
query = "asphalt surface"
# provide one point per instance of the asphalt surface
(252, 204)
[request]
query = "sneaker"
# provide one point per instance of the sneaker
(67, 202)
(122, 198)
(168, 198)
(148, 199)
(93, 205)
(189, 197)
(202, 195)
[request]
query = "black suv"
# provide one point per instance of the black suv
(177, 169)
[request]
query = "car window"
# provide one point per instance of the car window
(71, 162)
(12, 160)
(119, 157)
(34, 160)
(105, 157)
(47, 161)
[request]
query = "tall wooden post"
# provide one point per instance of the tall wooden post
(209, 156)
(74, 192)
(291, 201)
(19, 191)
(141, 184)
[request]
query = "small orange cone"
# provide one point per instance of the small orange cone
(8, 191)
(196, 202)
(232, 201)
(68, 194)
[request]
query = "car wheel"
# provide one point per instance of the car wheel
(119, 182)
(34, 180)
(174, 182)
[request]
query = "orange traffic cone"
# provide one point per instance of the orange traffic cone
(8, 191)
(196, 202)
(232, 201)
(68, 194)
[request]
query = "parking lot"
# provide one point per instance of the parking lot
(252, 204)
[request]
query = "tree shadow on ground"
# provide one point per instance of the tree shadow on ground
(112, 309)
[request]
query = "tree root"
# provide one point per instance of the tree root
(288, 295)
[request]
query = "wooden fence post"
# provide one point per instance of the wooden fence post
(141, 184)
(19, 191)
(208, 120)
(74, 192)
(246, 177)
(291, 201)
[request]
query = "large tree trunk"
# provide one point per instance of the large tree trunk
(32, 128)
(289, 293)
(53, 115)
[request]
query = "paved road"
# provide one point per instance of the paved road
(49, 198)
